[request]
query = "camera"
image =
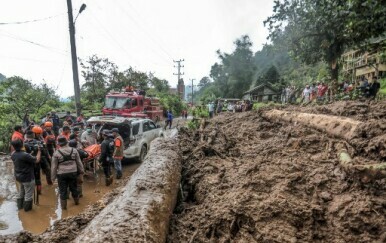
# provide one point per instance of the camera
(33, 146)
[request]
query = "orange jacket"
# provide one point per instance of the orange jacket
(17, 135)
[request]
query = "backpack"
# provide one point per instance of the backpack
(66, 157)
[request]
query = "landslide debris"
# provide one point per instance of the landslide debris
(67, 229)
(246, 179)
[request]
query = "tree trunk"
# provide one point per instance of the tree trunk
(334, 71)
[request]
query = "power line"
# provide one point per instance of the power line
(146, 33)
(150, 36)
(31, 21)
(19, 38)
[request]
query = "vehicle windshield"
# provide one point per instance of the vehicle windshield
(116, 102)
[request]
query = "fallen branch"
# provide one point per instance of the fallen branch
(366, 172)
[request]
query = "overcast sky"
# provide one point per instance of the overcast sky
(144, 34)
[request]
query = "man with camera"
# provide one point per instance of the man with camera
(32, 146)
(24, 172)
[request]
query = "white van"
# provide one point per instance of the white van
(137, 133)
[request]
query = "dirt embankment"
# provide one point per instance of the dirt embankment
(248, 179)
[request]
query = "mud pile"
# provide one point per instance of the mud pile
(65, 230)
(246, 179)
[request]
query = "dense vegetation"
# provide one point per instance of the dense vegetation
(101, 76)
(307, 40)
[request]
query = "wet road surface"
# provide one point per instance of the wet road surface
(47, 212)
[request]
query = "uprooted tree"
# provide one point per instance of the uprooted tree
(322, 30)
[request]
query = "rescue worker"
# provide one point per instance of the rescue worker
(118, 152)
(17, 134)
(66, 166)
(106, 156)
(45, 161)
(66, 132)
(49, 138)
(88, 137)
(55, 122)
(24, 173)
(82, 154)
(32, 148)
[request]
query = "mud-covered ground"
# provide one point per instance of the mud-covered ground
(67, 229)
(246, 179)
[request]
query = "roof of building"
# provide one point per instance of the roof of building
(261, 86)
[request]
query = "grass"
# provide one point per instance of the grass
(383, 86)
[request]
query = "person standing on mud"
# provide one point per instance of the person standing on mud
(169, 120)
(211, 109)
(118, 152)
(66, 165)
(306, 94)
(106, 156)
(24, 173)
(83, 155)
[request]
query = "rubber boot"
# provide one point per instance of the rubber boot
(119, 175)
(63, 204)
(107, 180)
(39, 189)
(76, 200)
(49, 181)
(20, 203)
(27, 206)
(80, 190)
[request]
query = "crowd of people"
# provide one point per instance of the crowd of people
(319, 91)
(57, 149)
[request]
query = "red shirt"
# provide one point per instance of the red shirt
(17, 135)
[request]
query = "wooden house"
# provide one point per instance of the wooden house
(262, 93)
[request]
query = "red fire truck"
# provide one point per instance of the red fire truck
(132, 103)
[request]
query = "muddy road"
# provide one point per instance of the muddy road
(251, 179)
(47, 212)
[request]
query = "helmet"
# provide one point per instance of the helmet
(48, 124)
(37, 130)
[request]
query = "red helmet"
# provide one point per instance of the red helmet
(37, 130)
(48, 124)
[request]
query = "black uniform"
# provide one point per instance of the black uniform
(31, 148)
(106, 157)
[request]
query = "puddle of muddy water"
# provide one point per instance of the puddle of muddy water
(48, 211)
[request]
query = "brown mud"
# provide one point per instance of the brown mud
(248, 179)
(62, 226)
(142, 211)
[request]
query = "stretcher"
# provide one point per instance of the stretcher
(91, 162)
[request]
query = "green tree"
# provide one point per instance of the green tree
(98, 73)
(204, 82)
(270, 76)
(20, 97)
(321, 30)
(160, 85)
(2, 77)
(234, 74)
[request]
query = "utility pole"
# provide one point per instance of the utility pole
(179, 74)
(74, 57)
(179, 66)
(192, 89)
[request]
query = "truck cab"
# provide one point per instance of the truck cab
(132, 104)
